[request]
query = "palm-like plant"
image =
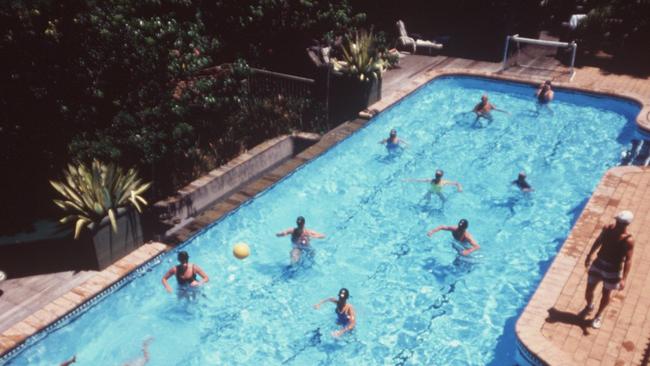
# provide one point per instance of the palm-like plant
(360, 58)
(93, 192)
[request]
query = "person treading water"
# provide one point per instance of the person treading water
(185, 273)
(545, 93)
(344, 312)
(393, 142)
(461, 235)
(437, 183)
(484, 109)
(300, 238)
(521, 182)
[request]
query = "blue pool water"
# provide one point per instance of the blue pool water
(416, 302)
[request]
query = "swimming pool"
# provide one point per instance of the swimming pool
(416, 302)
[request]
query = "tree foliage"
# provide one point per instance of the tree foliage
(125, 81)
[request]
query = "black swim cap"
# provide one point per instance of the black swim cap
(344, 293)
(183, 257)
(300, 221)
(393, 132)
(439, 173)
(463, 224)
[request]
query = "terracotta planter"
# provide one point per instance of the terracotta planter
(105, 246)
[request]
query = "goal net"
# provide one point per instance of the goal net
(539, 58)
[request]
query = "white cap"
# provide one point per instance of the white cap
(625, 217)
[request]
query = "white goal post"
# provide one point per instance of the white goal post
(540, 42)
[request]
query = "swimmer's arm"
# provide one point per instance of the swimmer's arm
(285, 232)
(500, 110)
(403, 142)
(472, 242)
(426, 180)
(204, 276)
(628, 262)
(351, 324)
(459, 187)
(330, 299)
(314, 234)
(384, 141)
(441, 227)
(594, 247)
(169, 273)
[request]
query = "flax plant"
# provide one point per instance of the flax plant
(93, 192)
(360, 58)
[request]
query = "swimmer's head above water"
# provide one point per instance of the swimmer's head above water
(439, 174)
(521, 176)
(344, 295)
(393, 132)
(463, 224)
(183, 257)
(300, 221)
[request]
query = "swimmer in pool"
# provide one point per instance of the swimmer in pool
(140, 361)
(484, 109)
(544, 93)
(344, 312)
(393, 142)
(299, 238)
(185, 273)
(461, 235)
(521, 182)
(437, 183)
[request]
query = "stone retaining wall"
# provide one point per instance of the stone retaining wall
(201, 193)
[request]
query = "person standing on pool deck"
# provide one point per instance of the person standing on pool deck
(437, 183)
(459, 233)
(544, 93)
(484, 108)
(299, 238)
(521, 182)
(344, 312)
(393, 142)
(185, 273)
(616, 249)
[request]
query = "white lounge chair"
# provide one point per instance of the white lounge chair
(413, 43)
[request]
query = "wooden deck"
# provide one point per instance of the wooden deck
(31, 303)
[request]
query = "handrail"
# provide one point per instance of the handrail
(281, 75)
(542, 42)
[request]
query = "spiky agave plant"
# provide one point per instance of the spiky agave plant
(360, 58)
(93, 192)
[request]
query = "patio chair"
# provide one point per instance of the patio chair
(413, 43)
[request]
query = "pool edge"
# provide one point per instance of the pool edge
(9, 345)
(642, 120)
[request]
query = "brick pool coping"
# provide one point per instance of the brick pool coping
(534, 341)
(66, 304)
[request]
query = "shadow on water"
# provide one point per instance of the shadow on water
(506, 348)
(577, 210)
(506, 343)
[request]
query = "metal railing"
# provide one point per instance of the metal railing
(266, 83)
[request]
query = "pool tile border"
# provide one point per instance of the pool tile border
(642, 119)
(533, 344)
(77, 300)
(71, 304)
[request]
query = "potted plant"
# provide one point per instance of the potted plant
(101, 198)
(358, 74)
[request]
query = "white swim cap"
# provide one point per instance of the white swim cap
(625, 217)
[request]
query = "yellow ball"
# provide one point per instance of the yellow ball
(241, 250)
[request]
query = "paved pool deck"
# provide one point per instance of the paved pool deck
(31, 304)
